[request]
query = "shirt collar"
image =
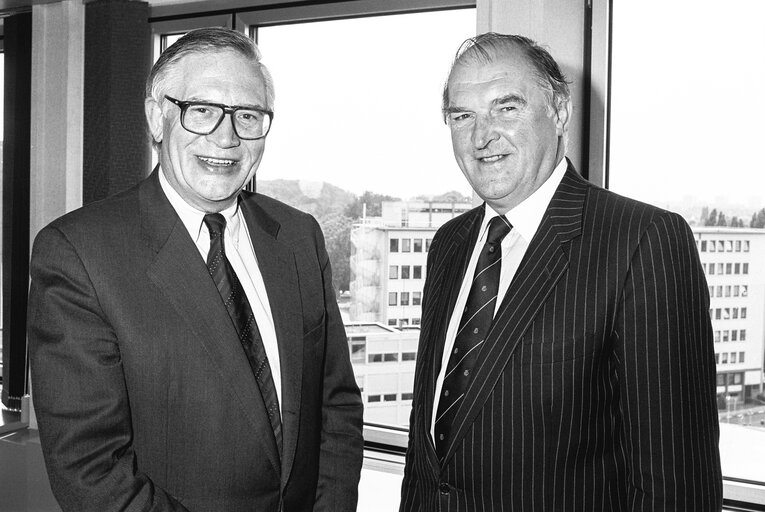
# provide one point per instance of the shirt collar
(527, 216)
(193, 218)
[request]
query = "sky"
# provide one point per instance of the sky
(688, 102)
(365, 116)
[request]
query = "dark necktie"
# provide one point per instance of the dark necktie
(239, 309)
(474, 325)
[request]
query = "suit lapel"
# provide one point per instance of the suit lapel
(447, 279)
(180, 274)
(276, 262)
(544, 263)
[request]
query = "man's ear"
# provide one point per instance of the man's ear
(155, 118)
(563, 114)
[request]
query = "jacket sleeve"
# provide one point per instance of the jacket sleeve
(342, 443)
(666, 367)
(80, 396)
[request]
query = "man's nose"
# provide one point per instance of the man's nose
(225, 135)
(484, 131)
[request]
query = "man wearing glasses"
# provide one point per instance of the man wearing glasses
(186, 348)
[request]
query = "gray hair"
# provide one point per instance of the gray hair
(490, 46)
(205, 40)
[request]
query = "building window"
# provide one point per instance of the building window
(374, 398)
(744, 290)
(703, 246)
(728, 268)
(394, 245)
(404, 298)
(727, 290)
(718, 313)
(717, 336)
(406, 245)
(741, 357)
(737, 268)
(389, 397)
(390, 358)
(405, 271)
(358, 349)
(725, 335)
(427, 244)
(711, 269)
(725, 358)
(742, 335)
(393, 272)
(734, 335)
(418, 245)
(729, 245)
(735, 313)
(402, 322)
(738, 245)
(736, 290)
(393, 321)
(416, 298)
(392, 298)
(375, 358)
(717, 361)
(408, 356)
(743, 312)
(719, 290)
(732, 357)
(407, 396)
(711, 246)
(720, 268)
(417, 272)
(746, 268)
(415, 321)
(746, 245)
(726, 314)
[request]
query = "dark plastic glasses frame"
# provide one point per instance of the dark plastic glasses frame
(227, 109)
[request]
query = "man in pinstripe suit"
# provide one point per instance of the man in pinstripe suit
(590, 384)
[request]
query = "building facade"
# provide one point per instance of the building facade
(733, 260)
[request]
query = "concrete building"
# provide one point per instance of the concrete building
(383, 361)
(388, 260)
(733, 260)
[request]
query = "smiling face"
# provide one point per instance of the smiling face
(506, 135)
(208, 171)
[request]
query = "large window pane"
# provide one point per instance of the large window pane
(686, 134)
(358, 140)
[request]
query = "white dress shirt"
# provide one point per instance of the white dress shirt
(525, 219)
(241, 255)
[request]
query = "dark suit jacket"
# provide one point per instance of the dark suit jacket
(595, 388)
(144, 397)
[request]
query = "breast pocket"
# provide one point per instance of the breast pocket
(558, 349)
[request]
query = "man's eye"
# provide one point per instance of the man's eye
(461, 117)
(508, 108)
(199, 110)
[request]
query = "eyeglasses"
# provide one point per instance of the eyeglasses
(204, 118)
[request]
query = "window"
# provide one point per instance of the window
(717, 336)
(407, 396)
(732, 357)
(393, 272)
(741, 357)
(406, 245)
(390, 358)
(415, 321)
(358, 349)
(695, 187)
(394, 245)
(417, 272)
(727, 290)
(725, 335)
(408, 356)
(404, 298)
(719, 290)
(392, 298)
(375, 358)
(427, 244)
(405, 271)
(416, 298)
(717, 361)
(390, 397)
(374, 398)
(393, 322)
(417, 242)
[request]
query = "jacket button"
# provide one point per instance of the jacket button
(443, 488)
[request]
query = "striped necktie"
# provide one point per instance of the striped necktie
(474, 326)
(241, 314)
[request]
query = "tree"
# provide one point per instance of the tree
(758, 219)
(374, 205)
(337, 238)
(721, 220)
(712, 219)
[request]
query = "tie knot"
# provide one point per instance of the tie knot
(216, 224)
(499, 227)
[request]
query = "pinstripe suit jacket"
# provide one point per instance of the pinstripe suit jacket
(595, 388)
